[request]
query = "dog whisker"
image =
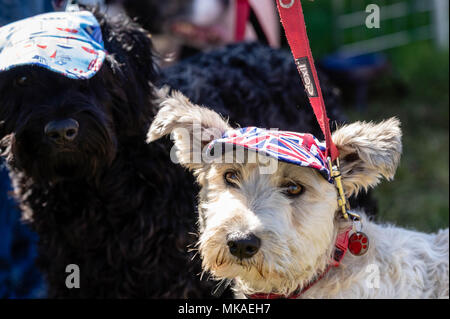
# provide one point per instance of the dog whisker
(196, 253)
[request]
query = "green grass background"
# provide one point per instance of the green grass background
(419, 195)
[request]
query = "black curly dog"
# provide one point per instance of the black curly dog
(100, 197)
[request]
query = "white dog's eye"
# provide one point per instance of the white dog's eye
(293, 189)
(231, 178)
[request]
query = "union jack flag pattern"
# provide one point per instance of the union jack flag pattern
(301, 149)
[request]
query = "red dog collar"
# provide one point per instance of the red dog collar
(341, 247)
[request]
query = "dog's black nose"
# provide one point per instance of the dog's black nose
(244, 246)
(62, 131)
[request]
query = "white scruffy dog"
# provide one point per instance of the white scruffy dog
(275, 233)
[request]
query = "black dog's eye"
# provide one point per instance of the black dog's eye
(293, 189)
(22, 81)
(231, 178)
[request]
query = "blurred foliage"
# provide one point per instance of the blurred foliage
(325, 36)
(319, 25)
(417, 92)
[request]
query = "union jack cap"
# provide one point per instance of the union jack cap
(300, 149)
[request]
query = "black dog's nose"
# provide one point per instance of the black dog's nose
(62, 131)
(244, 246)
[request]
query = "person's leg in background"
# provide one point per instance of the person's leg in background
(19, 277)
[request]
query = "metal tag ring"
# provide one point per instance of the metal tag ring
(357, 226)
(286, 6)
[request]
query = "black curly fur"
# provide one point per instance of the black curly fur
(110, 203)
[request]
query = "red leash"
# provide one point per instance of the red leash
(291, 15)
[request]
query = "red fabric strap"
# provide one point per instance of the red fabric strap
(341, 247)
(242, 13)
(293, 21)
(295, 294)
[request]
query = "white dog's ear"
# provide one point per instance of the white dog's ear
(368, 152)
(192, 127)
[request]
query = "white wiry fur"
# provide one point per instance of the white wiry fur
(368, 152)
(177, 115)
(298, 233)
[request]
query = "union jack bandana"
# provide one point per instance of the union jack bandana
(69, 43)
(301, 149)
